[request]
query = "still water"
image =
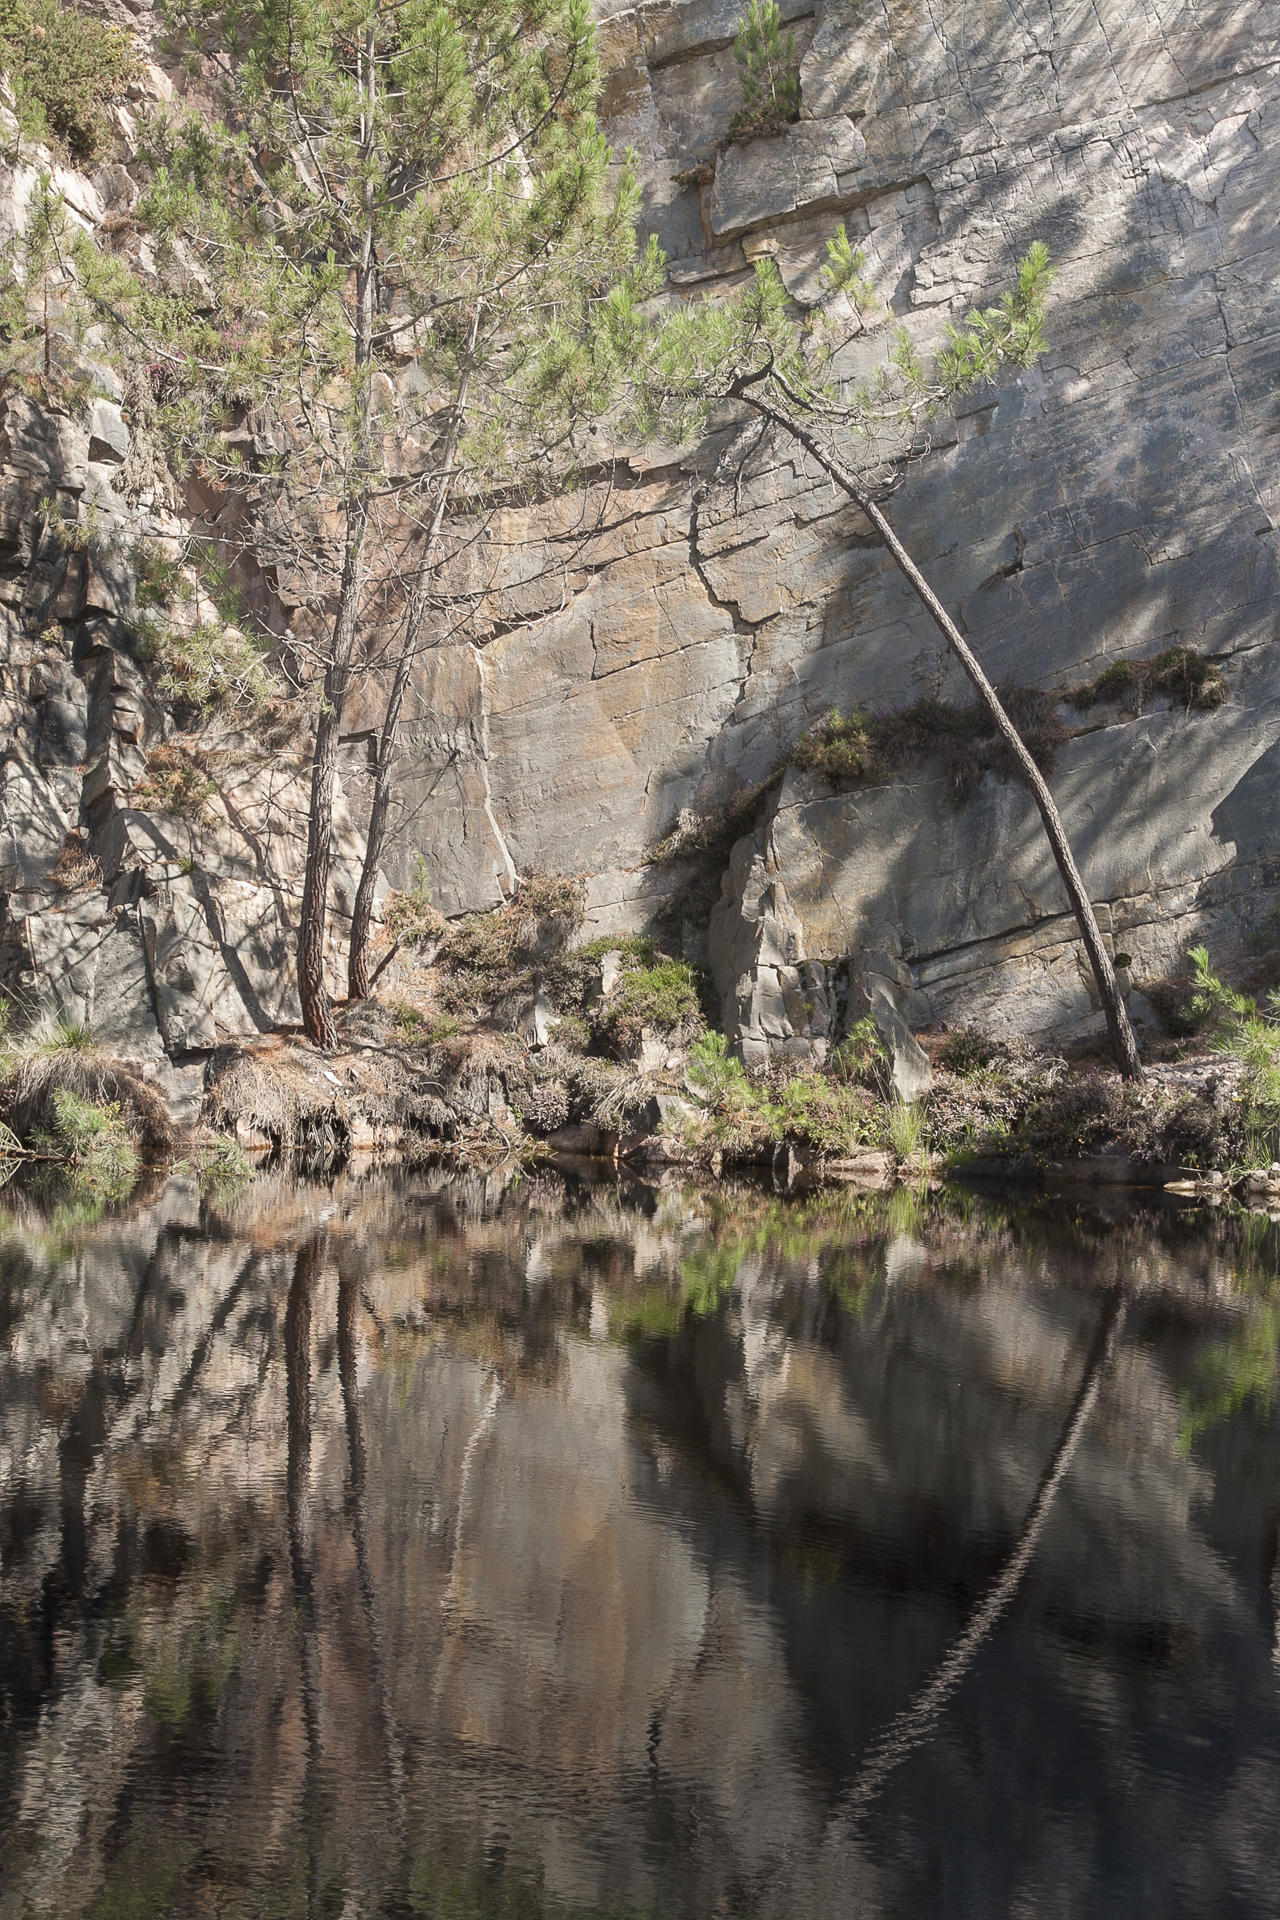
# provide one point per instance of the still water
(417, 1545)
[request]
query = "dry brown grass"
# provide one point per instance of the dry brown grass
(36, 1076)
(76, 869)
(303, 1101)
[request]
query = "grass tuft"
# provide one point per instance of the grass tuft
(1179, 673)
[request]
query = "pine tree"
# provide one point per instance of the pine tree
(388, 182)
(752, 348)
(767, 69)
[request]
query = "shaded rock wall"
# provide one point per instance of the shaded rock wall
(1117, 499)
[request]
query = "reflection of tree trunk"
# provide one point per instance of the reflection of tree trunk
(297, 1350)
(349, 1271)
(201, 1351)
(917, 1720)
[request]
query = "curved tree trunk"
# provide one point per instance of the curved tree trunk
(916, 1721)
(388, 743)
(1123, 1044)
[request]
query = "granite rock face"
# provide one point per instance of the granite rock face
(958, 914)
(641, 651)
(166, 933)
(1118, 499)
(164, 923)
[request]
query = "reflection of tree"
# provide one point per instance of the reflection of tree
(350, 1270)
(918, 1718)
(297, 1349)
(405, 1781)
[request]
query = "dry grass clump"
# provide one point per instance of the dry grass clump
(473, 1076)
(492, 964)
(76, 869)
(177, 780)
(1179, 673)
(411, 919)
(536, 924)
(983, 1092)
(40, 1078)
(712, 834)
(286, 1094)
(261, 1092)
(1092, 1111)
(875, 747)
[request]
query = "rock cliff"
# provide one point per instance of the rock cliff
(1117, 500)
(657, 643)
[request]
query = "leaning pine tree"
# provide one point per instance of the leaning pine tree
(390, 185)
(752, 349)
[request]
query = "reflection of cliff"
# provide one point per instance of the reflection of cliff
(340, 1559)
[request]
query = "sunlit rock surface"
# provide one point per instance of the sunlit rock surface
(1117, 500)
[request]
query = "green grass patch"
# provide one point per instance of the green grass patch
(665, 997)
(95, 1141)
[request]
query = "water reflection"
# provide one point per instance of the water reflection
(450, 1547)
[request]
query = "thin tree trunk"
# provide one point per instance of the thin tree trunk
(1123, 1044)
(362, 916)
(317, 1012)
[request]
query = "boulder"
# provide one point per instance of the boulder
(108, 435)
(912, 1074)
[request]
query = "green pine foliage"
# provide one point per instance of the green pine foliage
(755, 347)
(65, 69)
(843, 271)
(768, 72)
(450, 151)
(390, 185)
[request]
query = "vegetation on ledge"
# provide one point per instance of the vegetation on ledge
(65, 68)
(871, 748)
(769, 72)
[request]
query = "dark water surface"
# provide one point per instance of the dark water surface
(427, 1546)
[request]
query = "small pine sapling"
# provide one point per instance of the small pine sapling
(768, 71)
